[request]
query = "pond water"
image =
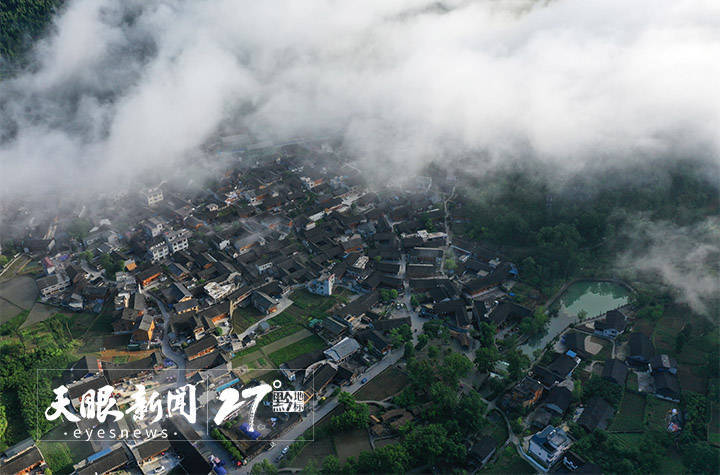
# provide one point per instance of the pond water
(594, 297)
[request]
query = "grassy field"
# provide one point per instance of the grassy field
(671, 463)
(604, 352)
(632, 381)
(631, 414)
(39, 313)
(655, 412)
(314, 451)
(714, 426)
(306, 345)
(61, 456)
(307, 306)
(509, 462)
(350, 444)
(16, 430)
(497, 429)
(386, 384)
(21, 291)
(244, 318)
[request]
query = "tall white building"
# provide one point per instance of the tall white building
(153, 196)
(323, 285)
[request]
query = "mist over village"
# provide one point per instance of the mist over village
(359, 237)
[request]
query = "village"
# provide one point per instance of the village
(290, 270)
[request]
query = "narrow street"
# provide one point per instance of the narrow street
(167, 351)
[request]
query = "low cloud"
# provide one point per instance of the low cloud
(687, 259)
(118, 88)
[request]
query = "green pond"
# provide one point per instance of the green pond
(594, 297)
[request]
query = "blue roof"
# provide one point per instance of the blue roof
(97, 455)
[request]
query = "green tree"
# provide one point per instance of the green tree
(422, 341)
(485, 358)
(486, 333)
(582, 314)
(597, 386)
(431, 443)
(530, 272)
(455, 366)
(355, 416)
(700, 457)
(517, 361)
(263, 467)
(331, 465)
(3, 421)
(535, 324)
(469, 412)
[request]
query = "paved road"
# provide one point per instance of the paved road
(300, 428)
(168, 352)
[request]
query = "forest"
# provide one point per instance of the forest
(557, 228)
(21, 22)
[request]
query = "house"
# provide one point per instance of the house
(217, 292)
(389, 324)
(558, 400)
(335, 327)
(153, 226)
(148, 276)
(664, 364)
(145, 328)
(548, 445)
(353, 244)
(615, 370)
(342, 350)
(561, 367)
(421, 270)
(506, 311)
(299, 364)
(76, 390)
(217, 313)
(482, 451)
(85, 367)
(201, 347)
(149, 450)
(612, 325)
(153, 196)
(176, 292)
(216, 362)
(323, 285)
(187, 444)
(52, 284)
(116, 373)
(575, 341)
(23, 457)
(263, 302)
(157, 251)
(597, 414)
(524, 394)
(667, 386)
(318, 380)
(189, 305)
(376, 341)
(105, 461)
(641, 349)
